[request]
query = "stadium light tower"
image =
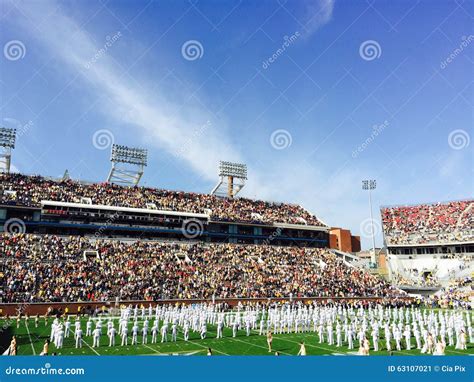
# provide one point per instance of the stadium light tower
(7, 143)
(369, 185)
(128, 164)
(232, 177)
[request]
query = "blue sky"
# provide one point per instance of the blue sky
(76, 75)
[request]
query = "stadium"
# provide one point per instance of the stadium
(239, 179)
(116, 268)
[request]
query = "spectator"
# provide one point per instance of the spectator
(31, 190)
(52, 268)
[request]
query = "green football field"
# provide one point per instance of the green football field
(31, 339)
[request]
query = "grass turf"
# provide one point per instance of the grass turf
(31, 339)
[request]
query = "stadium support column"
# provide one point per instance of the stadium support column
(369, 185)
(232, 175)
(128, 164)
(7, 143)
(230, 187)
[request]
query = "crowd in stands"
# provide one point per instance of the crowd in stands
(416, 281)
(42, 268)
(451, 298)
(31, 190)
(425, 223)
(461, 282)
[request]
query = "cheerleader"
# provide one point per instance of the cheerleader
(302, 350)
(269, 341)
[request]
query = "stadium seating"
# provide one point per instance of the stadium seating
(25, 190)
(51, 268)
(430, 270)
(429, 223)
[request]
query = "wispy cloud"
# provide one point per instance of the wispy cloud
(317, 13)
(160, 122)
(165, 125)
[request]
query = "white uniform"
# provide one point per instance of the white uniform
(203, 331)
(186, 331)
(338, 335)
(67, 326)
(154, 331)
(375, 340)
(89, 328)
(124, 335)
(174, 332)
(112, 333)
(78, 337)
(220, 325)
(134, 334)
(96, 338)
(235, 327)
(407, 335)
(164, 333)
(350, 338)
(59, 338)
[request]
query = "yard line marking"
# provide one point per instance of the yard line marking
(306, 344)
(149, 347)
(29, 336)
(328, 348)
(250, 343)
(183, 352)
(90, 347)
(454, 351)
(277, 336)
(203, 346)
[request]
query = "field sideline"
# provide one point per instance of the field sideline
(31, 340)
